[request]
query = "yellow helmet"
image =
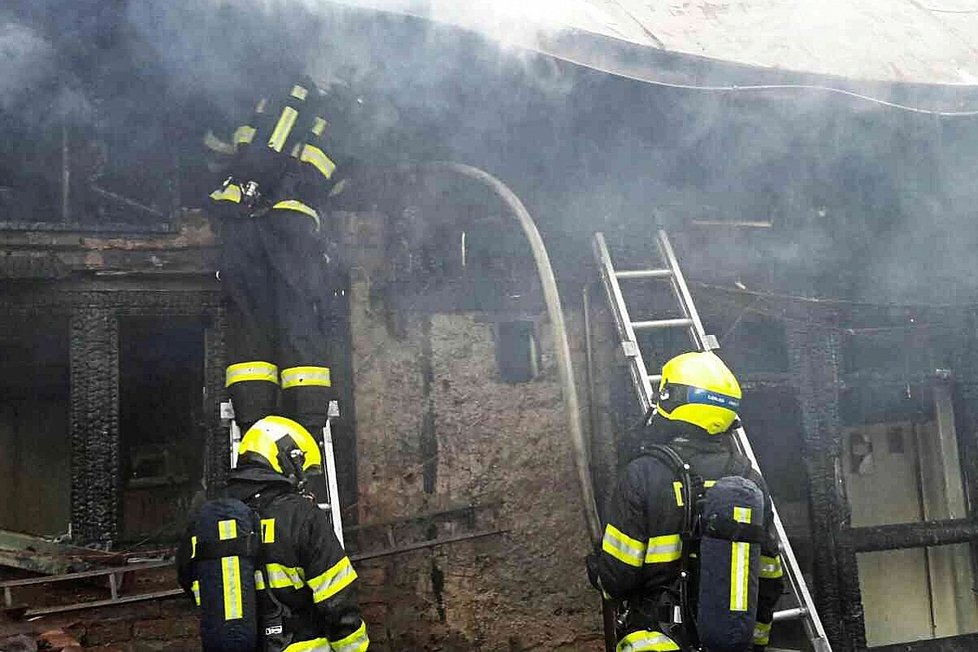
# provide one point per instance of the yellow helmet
(280, 444)
(699, 389)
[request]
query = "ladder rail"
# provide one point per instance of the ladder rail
(812, 622)
(636, 365)
(332, 486)
(329, 461)
(641, 380)
(696, 331)
(810, 618)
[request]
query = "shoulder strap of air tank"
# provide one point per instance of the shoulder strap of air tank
(683, 472)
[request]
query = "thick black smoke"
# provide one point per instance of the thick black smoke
(865, 200)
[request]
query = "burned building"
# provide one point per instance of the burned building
(828, 240)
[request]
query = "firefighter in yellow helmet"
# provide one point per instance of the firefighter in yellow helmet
(639, 561)
(307, 589)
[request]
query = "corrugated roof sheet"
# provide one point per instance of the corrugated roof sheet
(925, 41)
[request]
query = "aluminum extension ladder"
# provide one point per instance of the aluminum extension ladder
(643, 383)
(329, 460)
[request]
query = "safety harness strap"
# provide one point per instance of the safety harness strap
(728, 529)
(246, 546)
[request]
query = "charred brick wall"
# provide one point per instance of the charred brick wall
(94, 360)
(94, 392)
(814, 359)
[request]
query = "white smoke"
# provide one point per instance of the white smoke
(517, 22)
(26, 60)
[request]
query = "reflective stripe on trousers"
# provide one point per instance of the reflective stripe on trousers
(771, 568)
(762, 633)
(355, 642)
(307, 646)
(358, 641)
(255, 370)
(306, 376)
(646, 641)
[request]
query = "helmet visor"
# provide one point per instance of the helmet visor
(672, 396)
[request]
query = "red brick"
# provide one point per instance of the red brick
(56, 639)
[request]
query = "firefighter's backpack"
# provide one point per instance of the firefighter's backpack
(226, 550)
(724, 529)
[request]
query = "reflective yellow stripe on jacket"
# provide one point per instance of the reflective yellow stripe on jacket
(243, 135)
(318, 159)
(283, 128)
(231, 193)
(333, 581)
(268, 530)
(215, 144)
(663, 549)
(646, 641)
(677, 489)
(299, 207)
(278, 576)
(622, 547)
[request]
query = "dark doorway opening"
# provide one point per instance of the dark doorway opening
(35, 462)
(161, 423)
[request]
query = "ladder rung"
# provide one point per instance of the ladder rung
(790, 614)
(655, 379)
(644, 273)
(661, 323)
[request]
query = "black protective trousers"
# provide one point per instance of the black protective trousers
(277, 290)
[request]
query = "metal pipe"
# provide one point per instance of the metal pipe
(556, 315)
(922, 512)
(132, 203)
(411, 547)
(592, 412)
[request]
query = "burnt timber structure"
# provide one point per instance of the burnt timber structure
(91, 277)
(742, 181)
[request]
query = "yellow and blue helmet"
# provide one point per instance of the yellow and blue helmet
(281, 445)
(698, 388)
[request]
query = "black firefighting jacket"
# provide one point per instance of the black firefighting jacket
(641, 549)
(287, 149)
(305, 568)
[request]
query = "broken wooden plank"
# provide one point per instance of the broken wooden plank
(38, 555)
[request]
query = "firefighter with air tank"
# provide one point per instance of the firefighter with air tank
(689, 554)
